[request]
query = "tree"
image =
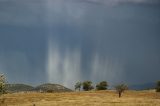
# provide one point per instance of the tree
(158, 86)
(87, 85)
(121, 88)
(2, 84)
(78, 86)
(102, 85)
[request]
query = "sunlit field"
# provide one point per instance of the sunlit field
(92, 98)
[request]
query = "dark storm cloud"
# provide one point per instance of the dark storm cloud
(117, 2)
(22, 53)
(65, 41)
(24, 12)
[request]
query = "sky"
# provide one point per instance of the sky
(65, 41)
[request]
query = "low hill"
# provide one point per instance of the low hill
(41, 88)
(18, 87)
(51, 88)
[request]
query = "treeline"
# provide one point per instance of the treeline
(103, 85)
(87, 86)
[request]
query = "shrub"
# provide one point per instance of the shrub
(50, 91)
(102, 85)
(2, 84)
(87, 85)
(78, 86)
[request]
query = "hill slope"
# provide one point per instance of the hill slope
(43, 88)
(51, 88)
(18, 87)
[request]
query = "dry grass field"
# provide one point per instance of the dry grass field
(92, 98)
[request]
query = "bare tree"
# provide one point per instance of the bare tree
(120, 89)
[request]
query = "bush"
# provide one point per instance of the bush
(102, 85)
(2, 84)
(78, 86)
(2, 101)
(50, 91)
(87, 85)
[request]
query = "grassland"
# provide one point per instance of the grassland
(92, 98)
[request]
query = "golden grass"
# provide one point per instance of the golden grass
(92, 98)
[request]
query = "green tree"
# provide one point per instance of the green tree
(158, 86)
(102, 85)
(78, 86)
(2, 84)
(120, 89)
(87, 85)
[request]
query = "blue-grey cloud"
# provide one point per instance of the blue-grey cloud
(63, 41)
(27, 13)
(122, 1)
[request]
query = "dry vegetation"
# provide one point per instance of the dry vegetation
(92, 98)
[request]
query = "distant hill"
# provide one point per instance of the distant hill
(18, 87)
(51, 88)
(41, 88)
(145, 86)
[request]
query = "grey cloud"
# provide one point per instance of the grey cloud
(63, 41)
(37, 13)
(15, 64)
(63, 67)
(18, 68)
(117, 2)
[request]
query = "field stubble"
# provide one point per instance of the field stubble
(92, 98)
